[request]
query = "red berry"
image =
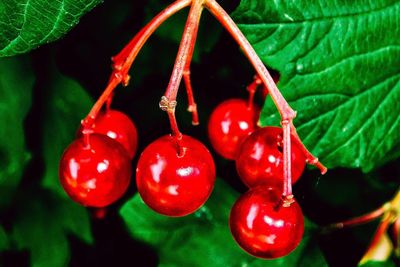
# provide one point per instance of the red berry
(260, 159)
(263, 228)
(175, 185)
(118, 126)
(96, 174)
(230, 123)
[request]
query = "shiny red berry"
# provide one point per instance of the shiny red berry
(260, 159)
(96, 173)
(175, 185)
(230, 123)
(118, 126)
(262, 227)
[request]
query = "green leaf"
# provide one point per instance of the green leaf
(26, 24)
(66, 104)
(42, 226)
(16, 83)
(203, 238)
(3, 239)
(339, 63)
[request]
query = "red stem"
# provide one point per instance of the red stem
(252, 88)
(185, 48)
(220, 14)
(124, 60)
(177, 134)
(310, 158)
(189, 90)
(286, 112)
(287, 168)
(128, 54)
(182, 62)
(361, 219)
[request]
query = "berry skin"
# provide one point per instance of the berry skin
(97, 174)
(175, 185)
(262, 228)
(230, 123)
(260, 159)
(118, 126)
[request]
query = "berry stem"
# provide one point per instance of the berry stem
(123, 61)
(310, 158)
(176, 133)
(90, 118)
(182, 63)
(192, 104)
(252, 88)
(391, 207)
(287, 163)
(185, 51)
(286, 112)
(361, 219)
(109, 101)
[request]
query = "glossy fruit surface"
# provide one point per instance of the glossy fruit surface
(118, 126)
(260, 158)
(229, 124)
(263, 230)
(175, 185)
(95, 175)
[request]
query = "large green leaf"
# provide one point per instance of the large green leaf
(339, 63)
(16, 83)
(203, 238)
(42, 225)
(66, 104)
(26, 24)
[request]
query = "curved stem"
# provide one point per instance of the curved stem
(220, 14)
(124, 60)
(361, 219)
(182, 60)
(189, 90)
(286, 112)
(185, 48)
(252, 88)
(177, 134)
(310, 158)
(390, 208)
(114, 81)
(287, 163)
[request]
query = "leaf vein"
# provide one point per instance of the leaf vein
(391, 77)
(359, 130)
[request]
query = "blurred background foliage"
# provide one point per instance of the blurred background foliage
(45, 93)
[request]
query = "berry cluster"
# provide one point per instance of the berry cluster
(175, 174)
(174, 179)
(260, 223)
